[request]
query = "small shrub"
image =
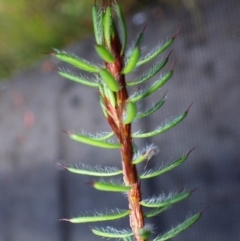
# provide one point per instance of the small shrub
(120, 111)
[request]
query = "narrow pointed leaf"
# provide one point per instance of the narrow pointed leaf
(132, 61)
(179, 228)
(156, 211)
(71, 76)
(153, 88)
(110, 232)
(109, 80)
(154, 173)
(96, 171)
(99, 216)
(122, 25)
(109, 94)
(162, 128)
(107, 26)
(140, 38)
(104, 54)
(155, 52)
(93, 141)
(97, 24)
(146, 154)
(75, 61)
(130, 112)
(151, 72)
(103, 137)
(152, 109)
(103, 107)
(110, 186)
(163, 200)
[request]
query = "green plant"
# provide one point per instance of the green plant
(120, 110)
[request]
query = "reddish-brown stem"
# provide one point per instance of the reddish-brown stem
(131, 178)
(123, 133)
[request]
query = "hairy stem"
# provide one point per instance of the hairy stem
(130, 177)
(123, 133)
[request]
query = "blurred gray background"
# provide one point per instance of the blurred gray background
(37, 105)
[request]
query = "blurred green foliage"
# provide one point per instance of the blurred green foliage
(30, 27)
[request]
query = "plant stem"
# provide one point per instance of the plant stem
(124, 135)
(134, 195)
(131, 179)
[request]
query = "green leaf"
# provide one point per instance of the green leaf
(96, 171)
(104, 54)
(152, 109)
(146, 154)
(154, 173)
(156, 211)
(99, 216)
(122, 25)
(179, 228)
(132, 61)
(75, 61)
(103, 106)
(110, 232)
(79, 79)
(103, 136)
(109, 80)
(110, 186)
(110, 95)
(93, 141)
(163, 200)
(156, 51)
(107, 26)
(130, 112)
(146, 231)
(151, 72)
(140, 37)
(97, 24)
(162, 128)
(139, 95)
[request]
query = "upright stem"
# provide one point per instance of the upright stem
(130, 171)
(131, 179)
(124, 135)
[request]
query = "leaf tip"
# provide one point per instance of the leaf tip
(203, 210)
(191, 151)
(62, 165)
(177, 32)
(165, 95)
(186, 111)
(67, 132)
(193, 190)
(65, 219)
